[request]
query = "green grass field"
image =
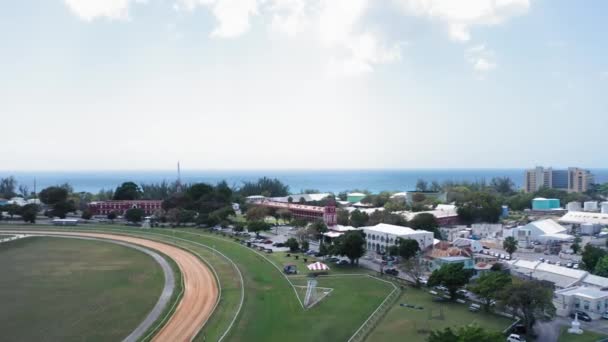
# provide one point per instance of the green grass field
(67, 289)
(587, 336)
(412, 325)
(271, 310)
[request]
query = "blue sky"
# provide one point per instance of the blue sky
(241, 84)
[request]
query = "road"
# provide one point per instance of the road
(200, 288)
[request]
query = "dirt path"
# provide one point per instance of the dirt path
(200, 288)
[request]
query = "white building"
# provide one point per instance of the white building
(581, 217)
(591, 300)
(301, 197)
(562, 277)
(474, 245)
(542, 230)
(382, 235)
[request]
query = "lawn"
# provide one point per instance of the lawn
(63, 289)
(281, 259)
(587, 336)
(413, 325)
(271, 310)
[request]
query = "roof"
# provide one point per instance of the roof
(596, 281)
(582, 291)
(561, 276)
(547, 226)
(579, 217)
(297, 198)
(333, 234)
(395, 230)
(340, 228)
(455, 258)
(558, 237)
(356, 194)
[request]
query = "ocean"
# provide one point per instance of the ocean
(322, 180)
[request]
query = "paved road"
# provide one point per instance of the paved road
(200, 289)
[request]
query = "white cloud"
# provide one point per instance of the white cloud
(92, 9)
(461, 16)
(481, 59)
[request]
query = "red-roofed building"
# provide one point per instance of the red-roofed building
(120, 207)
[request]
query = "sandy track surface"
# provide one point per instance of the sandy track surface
(200, 288)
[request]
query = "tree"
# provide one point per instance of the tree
(284, 215)
(414, 268)
(7, 187)
(468, 333)
(591, 256)
(319, 228)
(53, 195)
(408, 248)
(60, 209)
(351, 245)
(601, 267)
(257, 227)
(393, 250)
(342, 217)
(134, 215)
(256, 213)
(358, 218)
(422, 185)
(11, 209)
(576, 246)
(293, 244)
(510, 245)
(425, 221)
(264, 186)
(86, 214)
(489, 285)
(128, 191)
(305, 245)
(452, 276)
(479, 206)
(502, 185)
(112, 216)
(530, 301)
(238, 226)
(29, 212)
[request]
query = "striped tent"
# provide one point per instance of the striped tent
(318, 266)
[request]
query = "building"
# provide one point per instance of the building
(541, 204)
(355, 197)
(446, 214)
(473, 245)
(326, 214)
(468, 263)
(561, 277)
(120, 207)
(590, 300)
(573, 179)
(542, 230)
(301, 198)
(580, 217)
(381, 236)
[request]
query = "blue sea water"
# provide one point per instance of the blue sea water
(323, 180)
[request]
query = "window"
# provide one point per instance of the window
(586, 304)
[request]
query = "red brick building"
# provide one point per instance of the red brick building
(306, 212)
(120, 207)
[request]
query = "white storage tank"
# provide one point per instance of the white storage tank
(604, 207)
(574, 206)
(590, 206)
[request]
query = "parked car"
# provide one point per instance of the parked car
(575, 266)
(569, 265)
(542, 259)
(391, 271)
(515, 338)
(342, 262)
(474, 307)
(333, 259)
(463, 293)
(558, 263)
(441, 288)
(605, 315)
(423, 280)
(583, 316)
(267, 242)
(508, 257)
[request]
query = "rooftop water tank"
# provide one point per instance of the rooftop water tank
(590, 206)
(574, 206)
(587, 229)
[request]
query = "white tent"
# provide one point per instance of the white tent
(318, 266)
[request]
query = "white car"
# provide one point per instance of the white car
(515, 338)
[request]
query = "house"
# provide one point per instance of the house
(590, 300)
(381, 236)
(467, 262)
(474, 245)
(561, 277)
(446, 214)
(120, 207)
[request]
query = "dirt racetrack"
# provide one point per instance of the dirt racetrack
(200, 288)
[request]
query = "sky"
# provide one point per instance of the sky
(302, 84)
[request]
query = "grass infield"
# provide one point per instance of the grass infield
(63, 289)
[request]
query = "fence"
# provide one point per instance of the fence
(377, 315)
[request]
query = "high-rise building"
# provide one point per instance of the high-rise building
(573, 179)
